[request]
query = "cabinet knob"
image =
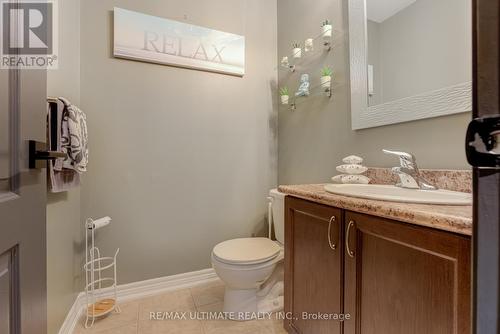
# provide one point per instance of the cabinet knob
(349, 251)
(332, 245)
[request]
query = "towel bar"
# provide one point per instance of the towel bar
(38, 153)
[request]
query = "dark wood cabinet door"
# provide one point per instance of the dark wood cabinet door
(313, 267)
(401, 278)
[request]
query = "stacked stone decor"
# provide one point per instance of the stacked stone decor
(352, 171)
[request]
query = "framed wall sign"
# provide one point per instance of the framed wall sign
(158, 40)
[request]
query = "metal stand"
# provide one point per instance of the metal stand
(100, 290)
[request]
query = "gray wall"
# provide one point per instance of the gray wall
(64, 233)
(180, 159)
(424, 47)
(314, 138)
(183, 159)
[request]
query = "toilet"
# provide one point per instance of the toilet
(252, 268)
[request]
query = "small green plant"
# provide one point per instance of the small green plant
(296, 45)
(326, 71)
(284, 91)
(326, 23)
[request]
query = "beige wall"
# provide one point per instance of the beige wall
(314, 138)
(64, 233)
(180, 159)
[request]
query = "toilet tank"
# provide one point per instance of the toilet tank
(278, 205)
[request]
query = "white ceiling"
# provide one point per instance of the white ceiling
(381, 10)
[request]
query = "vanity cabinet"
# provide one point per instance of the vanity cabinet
(313, 266)
(388, 277)
(402, 278)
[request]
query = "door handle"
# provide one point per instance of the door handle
(348, 249)
(332, 245)
(38, 153)
(483, 142)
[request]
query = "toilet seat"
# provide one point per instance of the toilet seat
(246, 251)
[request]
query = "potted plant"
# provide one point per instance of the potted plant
(326, 77)
(327, 28)
(285, 95)
(296, 50)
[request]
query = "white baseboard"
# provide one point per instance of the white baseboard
(73, 315)
(138, 290)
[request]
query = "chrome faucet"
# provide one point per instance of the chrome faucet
(408, 172)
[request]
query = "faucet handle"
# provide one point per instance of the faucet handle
(406, 159)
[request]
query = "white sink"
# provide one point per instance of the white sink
(397, 194)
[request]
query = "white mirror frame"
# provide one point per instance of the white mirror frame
(445, 101)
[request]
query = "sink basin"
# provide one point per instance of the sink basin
(397, 194)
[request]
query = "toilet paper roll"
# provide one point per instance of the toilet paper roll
(101, 222)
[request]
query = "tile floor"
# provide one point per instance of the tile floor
(135, 316)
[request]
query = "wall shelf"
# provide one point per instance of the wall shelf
(314, 91)
(320, 44)
(312, 49)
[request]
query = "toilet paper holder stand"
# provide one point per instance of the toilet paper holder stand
(100, 276)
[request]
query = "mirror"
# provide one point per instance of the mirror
(409, 60)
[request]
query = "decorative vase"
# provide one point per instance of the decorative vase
(297, 52)
(285, 62)
(327, 31)
(284, 99)
(309, 45)
(326, 81)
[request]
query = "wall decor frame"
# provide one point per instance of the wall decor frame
(153, 39)
(444, 101)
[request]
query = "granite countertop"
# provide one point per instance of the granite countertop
(457, 219)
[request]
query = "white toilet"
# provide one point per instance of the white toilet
(252, 268)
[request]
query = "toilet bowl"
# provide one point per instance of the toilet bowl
(252, 268)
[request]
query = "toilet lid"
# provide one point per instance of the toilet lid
(246, 250)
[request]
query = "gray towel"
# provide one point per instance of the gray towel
(74, 138)
(63, 179)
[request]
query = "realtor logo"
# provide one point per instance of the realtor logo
(29, 34)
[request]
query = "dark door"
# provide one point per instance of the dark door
(401, 278)
(22, 204)
(483, 152)
(313, 263)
